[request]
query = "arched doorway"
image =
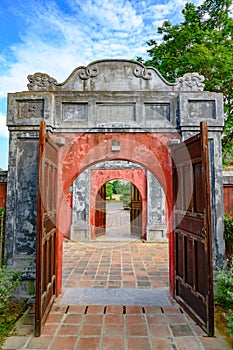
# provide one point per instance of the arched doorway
(132, 210)
(109, 110)
(145, 149)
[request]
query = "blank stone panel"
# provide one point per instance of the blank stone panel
(115, 112)
(202, 109)
(157, 111)
(74, 111)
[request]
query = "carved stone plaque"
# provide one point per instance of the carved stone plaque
(157, 111)
(115, 112)
(74, 111)
(202, 109)
(30, 109)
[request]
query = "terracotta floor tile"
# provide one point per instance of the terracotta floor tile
(93, 319)
(59, 308)
(49, 329)
(91, 330)
(164, 344)
(54, 318)
(112, 343)
(157, 330)
(64, 343)
(114, 309)
(153, 310)
(73, 319)
(76, 309)
(137, 330)
(135, 319)
(69, 329)
(176, 319)
(88, 343)
(114, 330)
(156, 319)
(171, 310)
(136, 343)
(114, 319)
(95, 310)
(131, 309)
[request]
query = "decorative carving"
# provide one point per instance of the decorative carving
(191, 81)
(87, 73)
(142, 73)
(41, 81)
(30, 109)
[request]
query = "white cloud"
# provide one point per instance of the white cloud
(3, 128)
(56, 42)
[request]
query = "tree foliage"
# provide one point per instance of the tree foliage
(203, 43)
(109, 190)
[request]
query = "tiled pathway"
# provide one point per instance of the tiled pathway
(115, 327)
(115, 265)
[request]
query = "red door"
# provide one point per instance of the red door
(100, 212)
(193, 237)
(136, 212)
(46, 229)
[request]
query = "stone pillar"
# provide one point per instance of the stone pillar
(20, 240)
(80, 229)
(156, 227)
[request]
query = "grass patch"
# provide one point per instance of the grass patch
(221, 322)
(9, 317)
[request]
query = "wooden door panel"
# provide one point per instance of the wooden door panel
(193, 237)
(100, 212)
(135, 212)
(46, 228)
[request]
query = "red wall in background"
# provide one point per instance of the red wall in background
(98, 177)
(3, 188)
(228, 198)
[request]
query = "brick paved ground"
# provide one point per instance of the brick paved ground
(115, 327)
(115, 265)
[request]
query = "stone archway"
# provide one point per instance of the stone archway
(135, 176)
(148, 150)
(109, 110)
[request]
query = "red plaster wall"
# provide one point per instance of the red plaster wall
(98, 177)
(3, 188)
(83, 150)
(228, 199)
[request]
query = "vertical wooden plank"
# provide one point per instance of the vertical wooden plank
(46, 228)
(194, 279)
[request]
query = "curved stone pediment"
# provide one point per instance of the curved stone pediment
(115, 75)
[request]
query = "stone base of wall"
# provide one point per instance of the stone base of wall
(79, 232)
(157, 233)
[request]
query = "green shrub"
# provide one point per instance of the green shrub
(9, 280)
(229, 319)
(224, 285)
(228, 228)
(224, 292)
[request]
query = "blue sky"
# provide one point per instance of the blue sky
(56, 36)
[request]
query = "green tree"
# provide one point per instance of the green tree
(202, 43)
(125, 190)
(109, 191)
(116, 186)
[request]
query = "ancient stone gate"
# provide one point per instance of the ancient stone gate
(109, 110)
